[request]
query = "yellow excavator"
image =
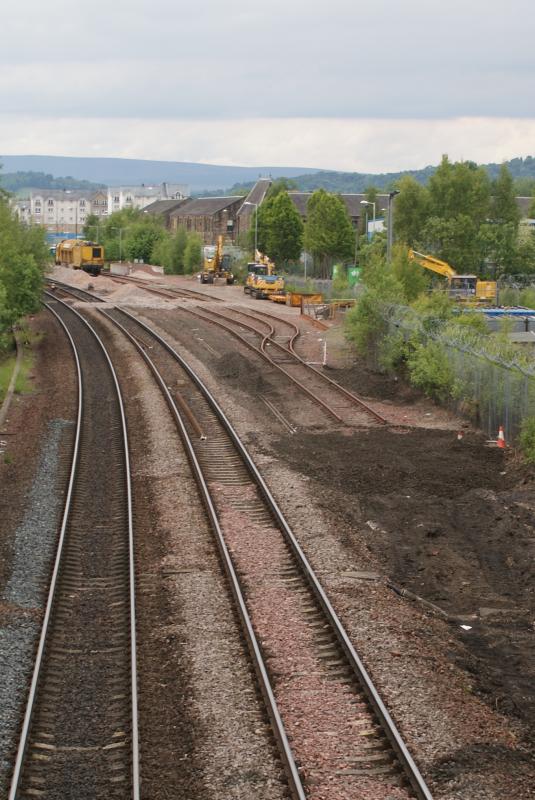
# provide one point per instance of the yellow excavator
(464, 288)
(216, 264)
(262, 281)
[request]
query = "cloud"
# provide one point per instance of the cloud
(288, 58)
(365, 145)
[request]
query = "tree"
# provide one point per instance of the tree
(504, 206)
(281, 229)
(141, 239)
(412, 210)
(193, 253)
(328, 234)
(455, 240)
(23, 258)
(169, 252)
(280, 185)
(460, 189)
(410, 275)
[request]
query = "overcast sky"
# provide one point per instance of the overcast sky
(368, 85)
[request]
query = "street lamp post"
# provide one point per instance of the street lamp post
(368, 203)
(390, 232)
(249, 203)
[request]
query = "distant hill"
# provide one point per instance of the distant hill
(522, 170)
(18, 181)
(214, 179)
(128, 171)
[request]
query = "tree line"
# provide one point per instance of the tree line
(23, 259)
(132, 235)
(466, 219)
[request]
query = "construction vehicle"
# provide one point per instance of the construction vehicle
(262, 281)
(463, 288)
(80, 254)
(216, 264)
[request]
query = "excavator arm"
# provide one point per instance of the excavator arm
(433, 264)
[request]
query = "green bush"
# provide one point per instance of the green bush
(430, 370)
(527, 439)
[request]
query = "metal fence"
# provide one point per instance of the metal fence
(487, 388)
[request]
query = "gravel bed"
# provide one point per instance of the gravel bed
(437, 692)
(323, 716)
(25, 591)
(203, 730)
(36, 535)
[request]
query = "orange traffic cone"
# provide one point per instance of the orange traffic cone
(501, 438)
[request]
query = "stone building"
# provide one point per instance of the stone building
(209, 217)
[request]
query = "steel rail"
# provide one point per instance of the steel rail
(263, 355)
(169, 292)
(254, 647)
(290, 349)
(411, 771)
(23, 742)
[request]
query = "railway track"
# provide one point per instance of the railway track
(273, 339)
(79, 735)
(334, 733)
(162, 291)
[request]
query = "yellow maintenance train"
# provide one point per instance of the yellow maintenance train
(80, 254)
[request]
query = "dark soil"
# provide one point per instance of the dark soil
(368, 383)
(453, 523)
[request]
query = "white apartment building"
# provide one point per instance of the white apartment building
(58, 210)
(66, 211)
(120, 197)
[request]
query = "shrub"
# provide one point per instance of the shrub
(527, 439)
(430, 370)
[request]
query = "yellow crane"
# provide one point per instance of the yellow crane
(465, 288)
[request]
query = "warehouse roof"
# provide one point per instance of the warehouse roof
(163, 206)
(353, 203)
(205, 206)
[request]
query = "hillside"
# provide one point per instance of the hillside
(42, 171)
(522, 170)
(127, 171)
(18, 181)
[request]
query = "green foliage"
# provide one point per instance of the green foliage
(412, 277)
(170, 250)
(411, 210)
(328, 234)
(365, 322)
(142, 237)
(504, 207)
(16, 181)
(280, 185)
(280, 228)
(193, 254)
(23, 258)
(430, 370)
(527, 439)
